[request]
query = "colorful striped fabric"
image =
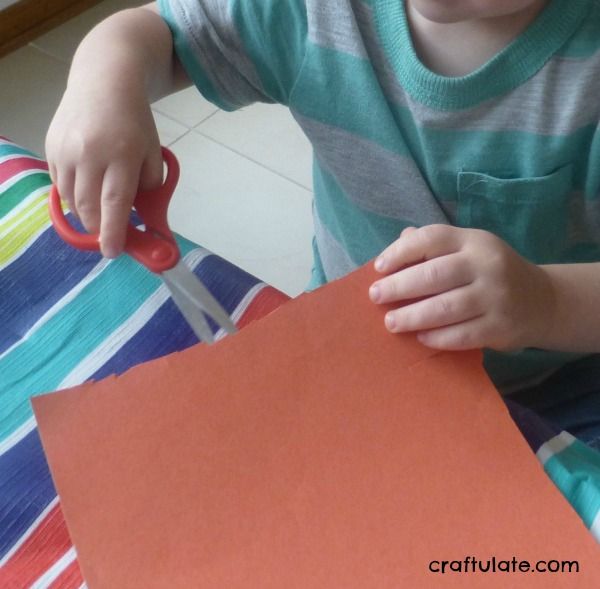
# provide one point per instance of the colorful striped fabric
(68, 316)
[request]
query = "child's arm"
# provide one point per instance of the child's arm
(102, 144)
(476, 291)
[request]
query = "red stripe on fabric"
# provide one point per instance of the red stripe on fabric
(48, 542)
(70, 578)
(267, 300)
(16, 165)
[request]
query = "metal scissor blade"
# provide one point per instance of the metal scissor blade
(192, 314)
(192, 298)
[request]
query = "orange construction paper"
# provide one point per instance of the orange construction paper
(312, 449)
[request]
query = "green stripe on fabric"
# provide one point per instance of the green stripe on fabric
(505, 154)
(18, 191)
(274, 35)
(19, 213)
(360, 105)
(576, 473)
(509, 68)
(42, 361)
(12, 149)
(586, 42)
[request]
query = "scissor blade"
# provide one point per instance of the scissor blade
(192, 315)
(193, 297)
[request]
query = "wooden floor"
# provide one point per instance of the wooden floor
(27, 19)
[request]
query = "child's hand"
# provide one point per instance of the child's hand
(102, 148)
(474, 290)
(102, 145)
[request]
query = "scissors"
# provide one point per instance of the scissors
(156, 249)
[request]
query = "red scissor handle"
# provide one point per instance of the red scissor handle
(155, 247)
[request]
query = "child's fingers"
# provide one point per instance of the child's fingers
(53, 173)
(151, 174)
(64, 178)
(467, 335)
(434, 276)
(456, 306)
(87, 187)
(416, 245)
(118, 193)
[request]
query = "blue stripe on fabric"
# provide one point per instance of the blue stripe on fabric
(47, 262)
(167, 331)
(26, 489)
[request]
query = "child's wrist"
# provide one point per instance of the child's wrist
(570, 305)
(549, 313)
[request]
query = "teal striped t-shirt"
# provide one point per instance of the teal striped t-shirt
(512, 148)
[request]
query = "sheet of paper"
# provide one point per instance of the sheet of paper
(311, 450)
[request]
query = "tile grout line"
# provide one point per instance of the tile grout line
(198, 132)
(47, 53)
(174, 120)
(187, 132)
(210, 116)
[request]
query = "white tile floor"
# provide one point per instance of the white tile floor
(245, 188)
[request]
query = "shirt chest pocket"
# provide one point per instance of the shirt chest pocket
(530, 214)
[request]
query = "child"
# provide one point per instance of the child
(467, 127)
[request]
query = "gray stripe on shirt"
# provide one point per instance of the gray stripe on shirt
(337, 25)
(217, 47)
(400, 191)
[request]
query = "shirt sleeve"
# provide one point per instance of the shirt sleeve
(237, 52)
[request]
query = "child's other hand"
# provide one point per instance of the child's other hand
(473, 290)
(102, 147)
